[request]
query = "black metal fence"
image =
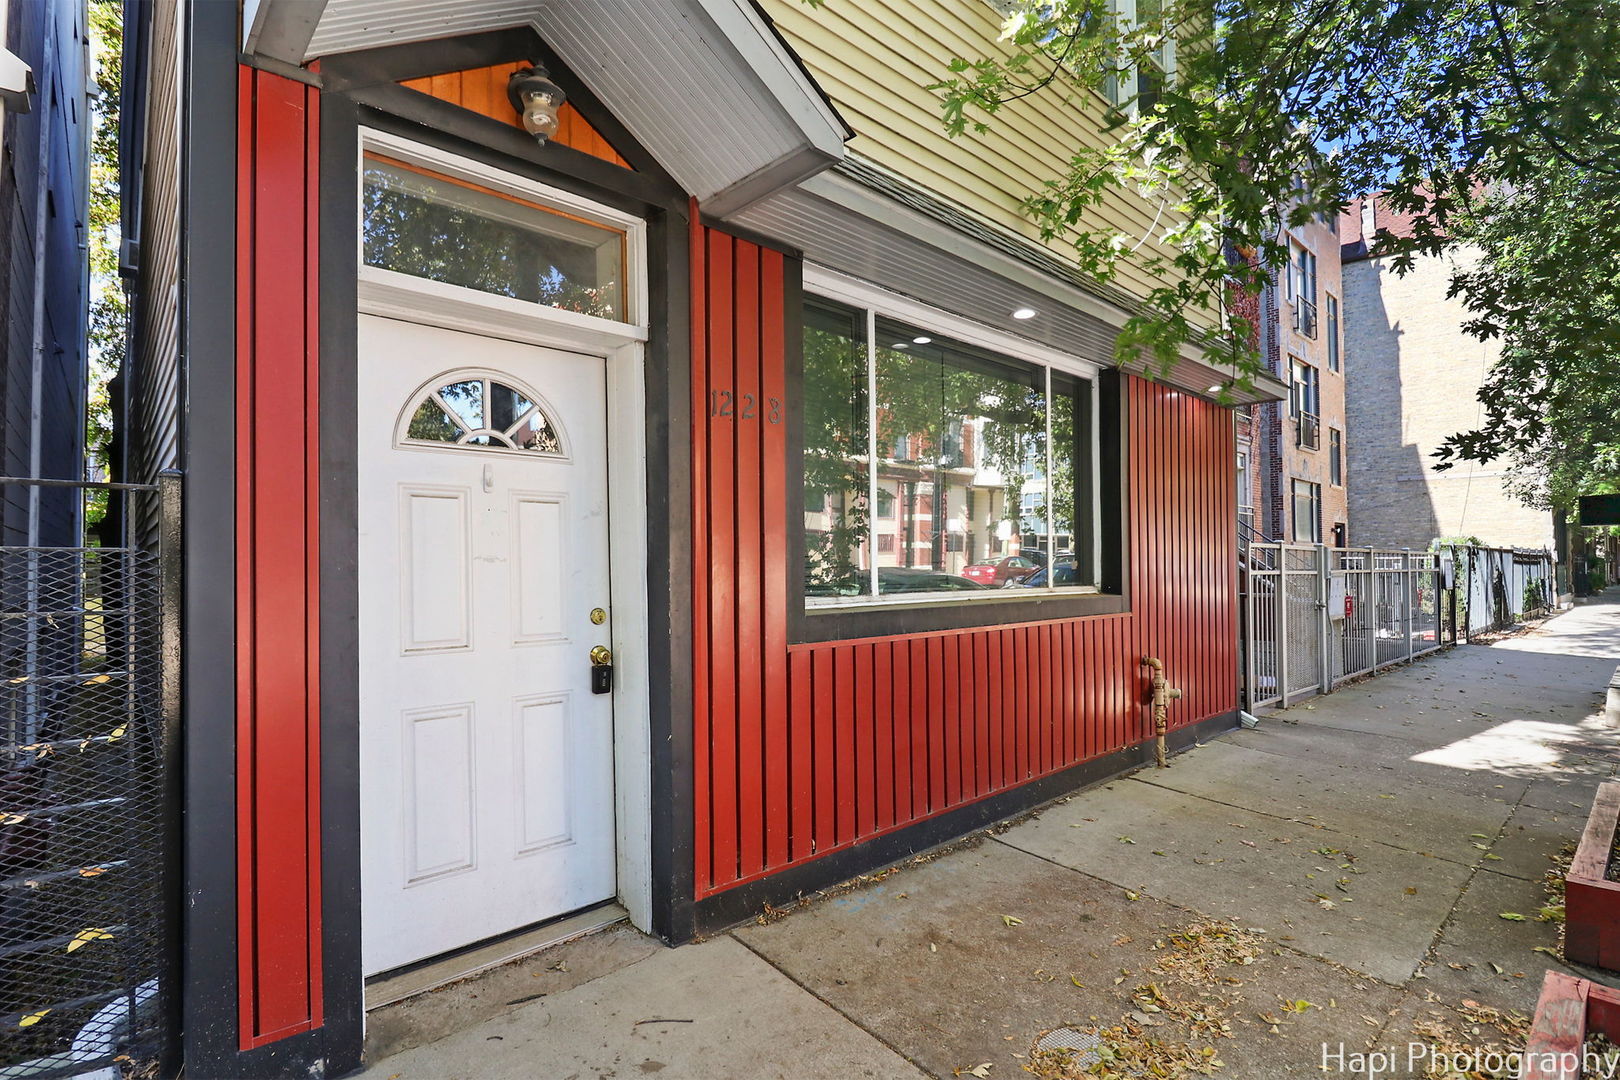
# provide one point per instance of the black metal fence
(87, 704)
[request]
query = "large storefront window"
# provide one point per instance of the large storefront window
(981, 477)
(836, 488)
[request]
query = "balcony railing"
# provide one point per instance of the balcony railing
(1305, 317)
(1307, 431)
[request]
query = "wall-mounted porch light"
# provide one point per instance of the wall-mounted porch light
(537, 99)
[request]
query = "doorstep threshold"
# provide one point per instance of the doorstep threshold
(461, 965)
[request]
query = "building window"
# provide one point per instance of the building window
(951, 426)
(1304, 402)
(1307, 512)
(1333, 332)
(459, 233)
(836, 451)
(474, 411)
(1139, 80)
(885, 542)
(1302, 273)
(1336, 456)
(1302, 288)
(885, 503)
(1245, 506)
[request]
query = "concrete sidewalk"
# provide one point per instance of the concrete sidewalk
(1365, 845)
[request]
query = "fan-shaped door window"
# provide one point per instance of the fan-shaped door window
(481, 411)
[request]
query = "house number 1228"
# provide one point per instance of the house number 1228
(725, 404)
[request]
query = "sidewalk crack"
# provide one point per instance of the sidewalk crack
(1312, 824)
(802, 985)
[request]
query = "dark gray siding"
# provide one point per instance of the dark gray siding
(152, 435)
(43, 289)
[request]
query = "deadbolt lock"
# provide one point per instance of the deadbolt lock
(598, 616)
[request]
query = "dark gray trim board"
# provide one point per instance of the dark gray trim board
(208, 990)
(480, 136)
(669, 558)
(740, 904)
(344, 989)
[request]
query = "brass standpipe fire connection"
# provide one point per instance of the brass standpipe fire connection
(1163, 693)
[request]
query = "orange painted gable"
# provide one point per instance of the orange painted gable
(483, 90)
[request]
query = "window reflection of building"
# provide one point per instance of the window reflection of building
(955, 469)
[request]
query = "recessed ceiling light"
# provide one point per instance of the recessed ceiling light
(901, 345)
(1217, 388)
(1024, 313)
(921, 340)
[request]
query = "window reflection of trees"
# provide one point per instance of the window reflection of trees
(413, 225)
(456, 413)
(961, 437)
(835, 477)
(967, 423)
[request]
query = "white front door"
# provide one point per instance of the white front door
(486, 759)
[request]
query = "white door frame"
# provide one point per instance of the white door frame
(623, 344)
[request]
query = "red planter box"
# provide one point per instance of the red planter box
(1591, 901)
(1569, 1009)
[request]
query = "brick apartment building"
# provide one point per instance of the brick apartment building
(1413, 376)
(1292, 474)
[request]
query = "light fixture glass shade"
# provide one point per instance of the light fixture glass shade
(537, 100)
(540, 115)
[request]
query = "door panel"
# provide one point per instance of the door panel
(542, 795)
(486, 761)
(542, 551)
(439, 791)
(437, 580)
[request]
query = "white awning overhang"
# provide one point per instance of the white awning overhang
(706, 86)
(16, 82)
(859, 220)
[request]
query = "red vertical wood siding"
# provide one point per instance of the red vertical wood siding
(805, 749)
(277, 546)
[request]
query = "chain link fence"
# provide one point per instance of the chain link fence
(87, 706)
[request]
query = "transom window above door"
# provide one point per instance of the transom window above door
(430, 225)
(475, 410)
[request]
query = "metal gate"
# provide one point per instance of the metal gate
(87, 707)
(1314, 616)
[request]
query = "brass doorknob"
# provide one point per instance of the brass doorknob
(601, 655)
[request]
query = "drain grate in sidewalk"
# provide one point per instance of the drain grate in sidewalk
(1084, 1045)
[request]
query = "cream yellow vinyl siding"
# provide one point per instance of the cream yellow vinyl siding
(876, 57)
